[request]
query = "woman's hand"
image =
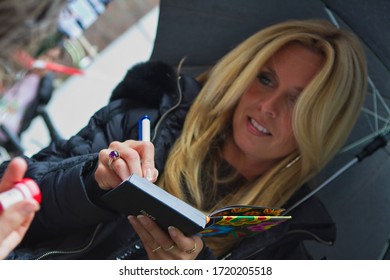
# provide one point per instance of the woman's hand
(162, 246)
(15, 220)
(122, 159)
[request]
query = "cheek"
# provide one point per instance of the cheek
(247, 101)
(238, 115)
(242, 106)
(252, 93)
(288, 133)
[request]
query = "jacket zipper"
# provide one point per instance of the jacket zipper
(77, 251)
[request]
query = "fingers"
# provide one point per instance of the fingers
(14, 223)
(192, 245)
(14, 216)
(133, 157)
(14, 172)
(144, 154)
(152, 236)
(104, 176)
(160, 245)
(15, 220)
(8, 244)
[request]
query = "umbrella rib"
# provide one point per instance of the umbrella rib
(376, 93)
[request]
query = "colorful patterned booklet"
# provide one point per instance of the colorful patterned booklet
(137, 196)
(242, 220)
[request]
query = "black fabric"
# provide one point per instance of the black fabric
(362, 17)
(141, 82)
(206, 30)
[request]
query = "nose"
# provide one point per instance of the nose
(270, 105)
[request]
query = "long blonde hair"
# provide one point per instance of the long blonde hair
(323, 117)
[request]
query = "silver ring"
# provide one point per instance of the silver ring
(113, 156)
(169, 248)
(190, 251)
(156, 249)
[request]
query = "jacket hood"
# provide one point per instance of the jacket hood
(147, 83)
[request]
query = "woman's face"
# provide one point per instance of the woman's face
(262, 121)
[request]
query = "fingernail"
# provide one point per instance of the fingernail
(28, 209)
(131, 218)
(172, 231)
(142, 220)
(149, 174)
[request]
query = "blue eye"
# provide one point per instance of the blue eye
(264, 79)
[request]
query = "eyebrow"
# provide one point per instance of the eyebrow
(271, 70)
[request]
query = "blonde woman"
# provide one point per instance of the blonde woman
(252, 130)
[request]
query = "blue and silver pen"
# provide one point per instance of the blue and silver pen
(144, 128)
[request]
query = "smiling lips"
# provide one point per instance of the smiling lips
(259, 127)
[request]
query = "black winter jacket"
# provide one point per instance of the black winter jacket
(73, 224)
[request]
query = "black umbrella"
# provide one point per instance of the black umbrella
(358, 199)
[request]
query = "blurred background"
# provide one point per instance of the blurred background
(103, 39)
